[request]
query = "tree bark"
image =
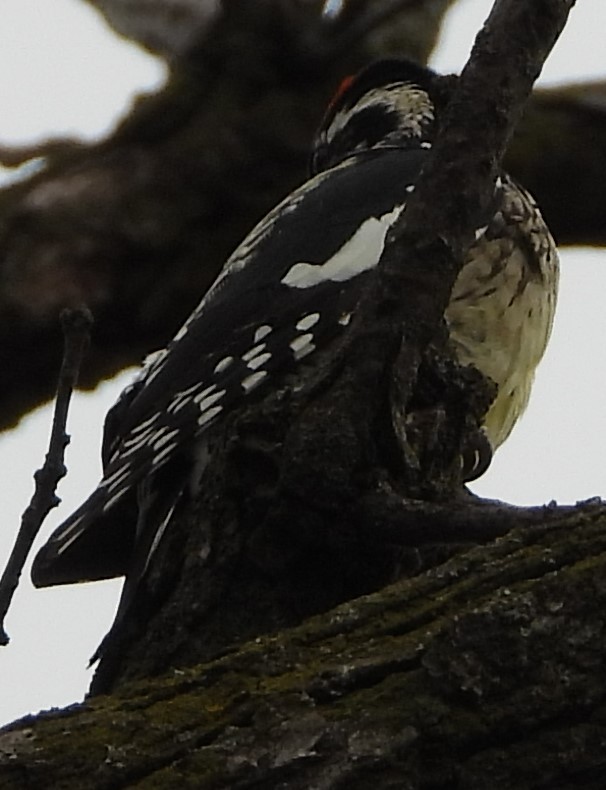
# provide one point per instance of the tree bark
(486, 671)
(280, 517)
(482, 667)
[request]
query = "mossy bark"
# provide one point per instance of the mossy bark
(481, 668)
(486, 671)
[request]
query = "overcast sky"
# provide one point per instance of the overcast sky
(557, 451)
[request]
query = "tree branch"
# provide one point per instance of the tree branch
(506, 59)
(482, 106)
(76, 330)
(299, 483)
(487, 671)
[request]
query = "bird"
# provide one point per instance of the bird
(289, 291)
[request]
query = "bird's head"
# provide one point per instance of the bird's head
(390, 104)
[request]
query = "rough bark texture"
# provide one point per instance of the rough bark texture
(280, 519)
(288, 519)
(484, 668)
(487, 671)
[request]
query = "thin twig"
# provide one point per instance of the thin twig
(76, 325)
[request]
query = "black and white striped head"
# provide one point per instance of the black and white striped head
(387, 105)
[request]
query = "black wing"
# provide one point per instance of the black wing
(289, 288)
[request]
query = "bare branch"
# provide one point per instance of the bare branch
(76, 329)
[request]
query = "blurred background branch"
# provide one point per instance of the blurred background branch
(138, 225)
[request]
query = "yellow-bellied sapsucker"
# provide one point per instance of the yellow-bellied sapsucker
(291, 288)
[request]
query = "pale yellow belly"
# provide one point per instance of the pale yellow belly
(501, 311)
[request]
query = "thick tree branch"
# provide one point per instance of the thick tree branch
(506, 59)
(438, 227)
(486, 672)
(279, 521)
(451, 200)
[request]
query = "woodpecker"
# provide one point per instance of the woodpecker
(289, 291)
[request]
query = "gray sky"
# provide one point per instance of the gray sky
(556, 452)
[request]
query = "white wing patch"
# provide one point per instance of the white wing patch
(115, 498)
(116, 479)
(302, 345)
(67, 543)
(257, 362)
(206, 402)
(262, 332)
(359, 254)
(209, 415)
(309, 320)
(253, 381)
(184, 397)
(166, 437)
(223, 364)
(164, 453)
(253, 352)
